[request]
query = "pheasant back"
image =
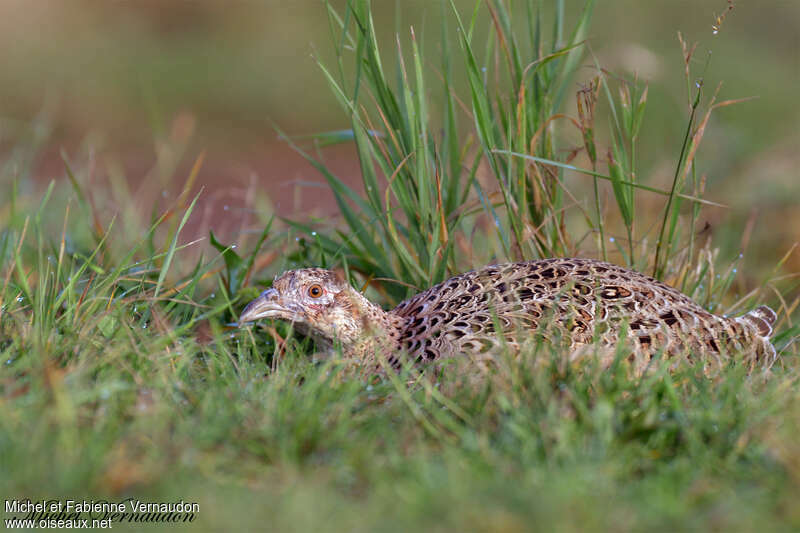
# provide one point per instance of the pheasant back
(577, 300)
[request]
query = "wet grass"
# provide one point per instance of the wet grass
(123, 374)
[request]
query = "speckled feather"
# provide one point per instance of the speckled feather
(576, 301)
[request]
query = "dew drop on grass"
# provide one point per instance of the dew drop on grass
(735, 271)
(313, 233)
(20, 298)
(226, 208)
(611, 239)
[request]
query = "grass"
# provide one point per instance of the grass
(123, 376)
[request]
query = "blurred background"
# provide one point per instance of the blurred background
(139, 92)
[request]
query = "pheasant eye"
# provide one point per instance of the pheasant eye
(315, 291)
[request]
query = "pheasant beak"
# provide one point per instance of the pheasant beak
(267, 305)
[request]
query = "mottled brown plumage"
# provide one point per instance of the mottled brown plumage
(573, 300)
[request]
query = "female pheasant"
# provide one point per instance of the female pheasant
(579, 301)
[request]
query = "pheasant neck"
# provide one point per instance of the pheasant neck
(368, 329)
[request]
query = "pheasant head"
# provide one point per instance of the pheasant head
(322, 304)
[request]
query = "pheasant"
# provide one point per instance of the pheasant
(579, 301)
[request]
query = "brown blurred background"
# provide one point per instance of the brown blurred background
(137, 90)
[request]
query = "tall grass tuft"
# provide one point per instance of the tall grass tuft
(420, 170)
(493, 164)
